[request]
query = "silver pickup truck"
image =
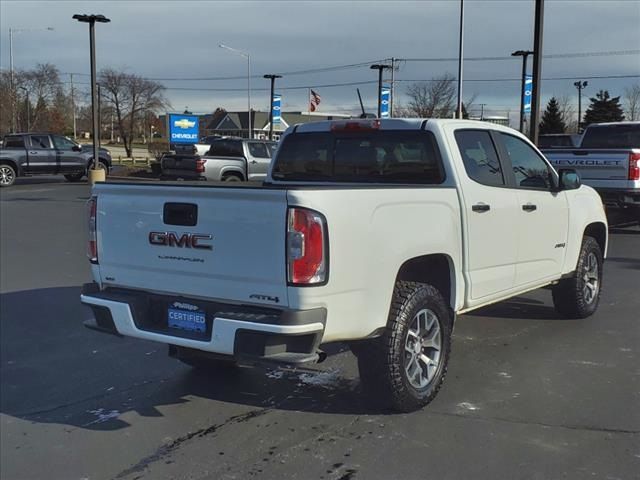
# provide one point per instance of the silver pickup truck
(609, 161)
(228, 160)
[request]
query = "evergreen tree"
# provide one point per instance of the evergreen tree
(552, 121)
(603, 108)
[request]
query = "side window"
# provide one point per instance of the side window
(530, 170)
(258, 150)
(62, 143)
(480, 157)
(40, 141)
(13, 142)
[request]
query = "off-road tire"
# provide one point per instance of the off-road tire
(231, 177)
(7, 175)
(569, 297)
(382, 361)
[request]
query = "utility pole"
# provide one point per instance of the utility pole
(380, 68)
(271, 77)
(460, 55)
(482, 111)
(524, 54)
(580, 85)
(73, 108)
(393, 84)
(11, 83)
(537, 70)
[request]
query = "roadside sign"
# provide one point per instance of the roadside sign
(277, 116)
(385, 102)
(528, 88)
(183, 128)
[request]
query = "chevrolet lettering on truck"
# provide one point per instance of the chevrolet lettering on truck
(377, 233)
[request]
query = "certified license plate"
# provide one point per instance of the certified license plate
(192, 321)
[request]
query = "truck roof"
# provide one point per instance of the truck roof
(396, 124)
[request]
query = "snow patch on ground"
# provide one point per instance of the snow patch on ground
(468, 406)
(504, 375)
(322, 379)
(277, 374)
(103, 415)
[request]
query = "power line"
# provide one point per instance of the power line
(369, 82)
(333, 68)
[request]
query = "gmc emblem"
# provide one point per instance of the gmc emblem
(186, 240)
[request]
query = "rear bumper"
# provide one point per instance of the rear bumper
(246, 333)
(620, 198)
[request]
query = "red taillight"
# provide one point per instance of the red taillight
(634, 166)
(200, 165)
(92, 246)
(355, 126)
(306, 247)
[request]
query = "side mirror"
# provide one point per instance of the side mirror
(569, 179)
(76, 148)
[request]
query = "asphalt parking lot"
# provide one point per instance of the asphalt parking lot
(528, 395)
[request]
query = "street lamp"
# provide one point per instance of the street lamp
(460, 54)
(11, 71)
(580, 85)
(271, 77)
(248, 57)
(380, 68)
(524, 54)
(91, 20)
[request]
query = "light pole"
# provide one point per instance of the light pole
(580, 85)
(460, 55)
(380, 68)
(537, 69)
(248, 57)
(524, 54)
(11, 72)
(271, 77)
(91, 20)
(26, 92)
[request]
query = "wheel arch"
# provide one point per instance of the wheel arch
(13, 164)
(598, 230)
(436, 269)
(231, 170)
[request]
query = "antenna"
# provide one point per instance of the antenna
(364, 115)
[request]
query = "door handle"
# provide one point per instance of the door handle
(254, 161)
(33, 153)
(481, 207)
(529, 207)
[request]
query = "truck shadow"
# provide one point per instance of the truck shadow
(53, 370)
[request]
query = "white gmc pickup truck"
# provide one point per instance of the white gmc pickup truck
(373, 232)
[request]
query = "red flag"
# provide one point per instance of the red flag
(314, 100)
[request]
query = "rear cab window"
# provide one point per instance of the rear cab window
(612, 136)
(14, 142)
(381, 156)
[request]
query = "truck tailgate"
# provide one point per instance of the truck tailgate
(592, 164)
(140, 246)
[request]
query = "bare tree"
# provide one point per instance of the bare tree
(632, 102)
(132, 99)
(568, 113)
(432, 99)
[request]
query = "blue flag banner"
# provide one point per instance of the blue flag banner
(277, 115)
(385, 102)
(528, 88)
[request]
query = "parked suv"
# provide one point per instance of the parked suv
(228, 159)
(26, 154)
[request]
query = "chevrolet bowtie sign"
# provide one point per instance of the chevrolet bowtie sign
(183, 128)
